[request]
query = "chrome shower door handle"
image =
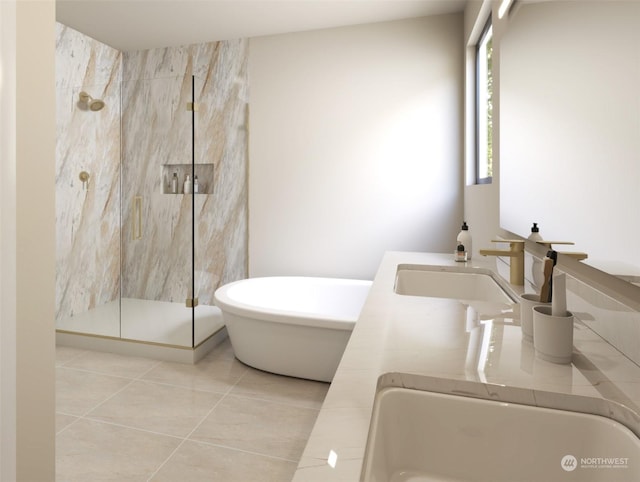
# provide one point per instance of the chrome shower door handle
(136, 231)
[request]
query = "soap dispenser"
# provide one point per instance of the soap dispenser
(535, 233)
(536, 263)
(464, 238)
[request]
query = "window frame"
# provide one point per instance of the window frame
(480, 160)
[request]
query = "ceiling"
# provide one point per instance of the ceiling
(143, 24)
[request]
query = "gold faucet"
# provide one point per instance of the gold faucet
(516, 253)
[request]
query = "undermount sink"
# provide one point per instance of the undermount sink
(428, 281)
(425, 436)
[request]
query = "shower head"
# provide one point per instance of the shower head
(96, 104)
(93, 104)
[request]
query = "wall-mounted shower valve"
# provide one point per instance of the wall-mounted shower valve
(84, 178)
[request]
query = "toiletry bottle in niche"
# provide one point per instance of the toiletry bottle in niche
(187, 184)
(174, 183)
(460, 254)
(195, 185)
(464, 238)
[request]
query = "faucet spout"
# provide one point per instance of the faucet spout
(498, 252)
(516, 253)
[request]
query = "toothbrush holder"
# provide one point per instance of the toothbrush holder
(527, 302)
(552, 335)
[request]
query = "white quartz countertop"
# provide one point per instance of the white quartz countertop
(443, 345)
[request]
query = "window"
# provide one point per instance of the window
(484, 107)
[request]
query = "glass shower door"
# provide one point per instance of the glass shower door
(157, 211)
(207, 149)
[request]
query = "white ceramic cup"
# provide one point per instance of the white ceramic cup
(552, 335)
(527, 302)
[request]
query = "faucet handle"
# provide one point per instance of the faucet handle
(549, 243)
(573, 254)
(507, 241)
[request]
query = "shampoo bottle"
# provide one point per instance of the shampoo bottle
(187, 184)
(174, 183)
(464, 238)
(196, 187)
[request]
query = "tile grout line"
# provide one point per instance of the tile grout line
(182, 440)
(129, 427)
(278, 402)
(236, 449)
(85, 414)
(186, 438)
(77, 355)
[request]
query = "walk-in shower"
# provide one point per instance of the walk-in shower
(150, 191)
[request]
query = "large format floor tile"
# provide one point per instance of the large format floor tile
(112, 364)
(93, 451)
(128, 419)
(158, 408)
(66, 353)
(277, 388)
(196, 462)
(213, 373)
(258, 426)
(78, 392)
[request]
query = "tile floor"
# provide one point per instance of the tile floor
(123, 419)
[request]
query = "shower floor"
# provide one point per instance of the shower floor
(162, 322)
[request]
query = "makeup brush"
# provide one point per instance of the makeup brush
(547, 272)
(549, 262)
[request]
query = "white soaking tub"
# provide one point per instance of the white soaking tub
(294, 326)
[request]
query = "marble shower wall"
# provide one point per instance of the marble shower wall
(97, 258)
(87, 217)
(156, 127)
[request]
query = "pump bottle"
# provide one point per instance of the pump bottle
(464, 238)
(536, 263)
(535, 233)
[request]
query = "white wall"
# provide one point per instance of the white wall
(355, 146)
(481, 201)
(27, 237)
(7, 242)
(571, 124)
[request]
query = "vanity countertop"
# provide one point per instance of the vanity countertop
(443, 345)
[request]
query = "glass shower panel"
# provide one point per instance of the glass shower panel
(157, 213)
(206, 317)
(220, 205)
(87, 208)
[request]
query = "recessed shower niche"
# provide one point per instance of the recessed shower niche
(135, 266)
(199, 180)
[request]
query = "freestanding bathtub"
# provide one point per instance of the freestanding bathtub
(295, 326)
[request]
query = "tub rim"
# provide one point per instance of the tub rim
(225, 302)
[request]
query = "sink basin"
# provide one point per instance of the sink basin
(464, 285)
(424, 436)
